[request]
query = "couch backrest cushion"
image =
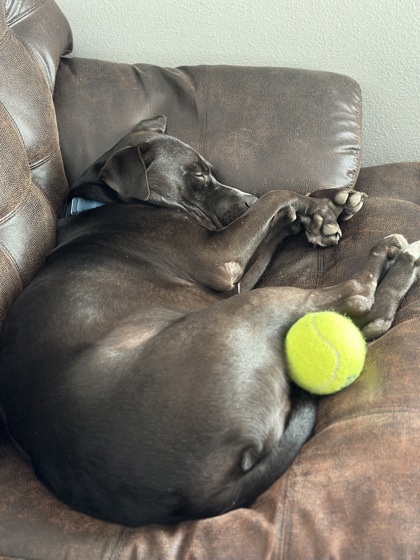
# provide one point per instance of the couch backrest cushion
(262, 128)
(33, 35)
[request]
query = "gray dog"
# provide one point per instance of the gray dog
(139, 372)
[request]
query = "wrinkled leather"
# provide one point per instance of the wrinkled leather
(352, 491)
(32, 21)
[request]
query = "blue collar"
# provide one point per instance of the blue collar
(78, 205)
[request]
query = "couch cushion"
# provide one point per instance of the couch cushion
(261, 128)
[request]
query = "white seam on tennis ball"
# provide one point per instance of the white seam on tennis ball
(337, 357)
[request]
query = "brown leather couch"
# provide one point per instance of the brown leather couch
(352, 493)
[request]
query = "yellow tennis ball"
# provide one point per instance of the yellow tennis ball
(325, 352)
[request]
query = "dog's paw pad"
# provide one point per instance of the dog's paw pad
(355, 199)
(343, 201)
(352, 205)
(321, 233)
(341, 198)
(330, 229)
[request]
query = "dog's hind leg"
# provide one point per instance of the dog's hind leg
(228, 360)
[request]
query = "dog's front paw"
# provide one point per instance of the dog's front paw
(321, 228)
(343, 201)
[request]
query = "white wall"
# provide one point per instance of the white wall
(377, 42)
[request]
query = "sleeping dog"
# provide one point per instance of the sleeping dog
(139, 371)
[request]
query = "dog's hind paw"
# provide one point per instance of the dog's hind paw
(414, 250)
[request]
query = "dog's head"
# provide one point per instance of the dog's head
(150, 166)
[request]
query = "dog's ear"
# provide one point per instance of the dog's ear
(125, 173)
(155, 124)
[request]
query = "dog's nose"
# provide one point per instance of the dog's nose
(250, 199)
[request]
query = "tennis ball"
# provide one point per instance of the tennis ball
(325, 352)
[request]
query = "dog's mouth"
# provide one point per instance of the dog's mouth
(203, 219)
(214, 221)
(197, 214)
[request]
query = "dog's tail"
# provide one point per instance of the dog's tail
(265, 472)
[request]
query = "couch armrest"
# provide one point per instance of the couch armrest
(32, 180)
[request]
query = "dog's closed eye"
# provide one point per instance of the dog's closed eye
(200, 169)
